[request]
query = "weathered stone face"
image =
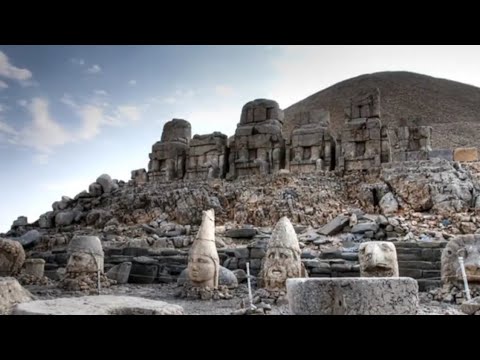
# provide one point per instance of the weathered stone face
(86, 255)
(207, 157)
(203, 260)
(12, 257)
(81, 263)
(282, 260)
(378, 259)
(258, 146)
(168, 156)
(201, 269)
(468, 247)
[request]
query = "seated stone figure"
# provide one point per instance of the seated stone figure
(468, 247)
(282, 260)
(378, 259)
(12, 257)
(203, 260)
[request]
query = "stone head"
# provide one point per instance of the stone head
(378, 259)
(282, 259)
(467, 247)
(203, 261)
(86, 255)
(12, 257)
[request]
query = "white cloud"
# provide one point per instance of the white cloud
(22, 102)
(76, 61)
(169, 100)
(67, 99)
(43, 133)
(132, 82)
(131, 113)
(40, 159)
(7, 129)
(12, 72)
(185, 93)
(94, 69)
(3, 85)
(101, 92)
(207, 120)
(92, 118)
(224, 90)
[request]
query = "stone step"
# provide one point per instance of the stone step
(421, 265)
(425, 285)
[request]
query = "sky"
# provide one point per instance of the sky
(71, 113)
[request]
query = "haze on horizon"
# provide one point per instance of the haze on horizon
(71, 113)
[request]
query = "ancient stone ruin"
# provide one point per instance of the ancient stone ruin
(207, 157)
(258, 146)
(169, 155)
(311, 147)
(355, 210)
(378, 259)
(364, 143)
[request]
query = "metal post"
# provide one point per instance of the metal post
(250, 297)
(464, 275)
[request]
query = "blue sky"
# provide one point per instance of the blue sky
(70, 113)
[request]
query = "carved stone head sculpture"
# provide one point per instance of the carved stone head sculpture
(282, 260)
(378, 259)
(86, 255)
(203, 261)
(12, 257)
(468, 247)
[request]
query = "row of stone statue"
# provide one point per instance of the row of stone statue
(263, 144)
(282, 259)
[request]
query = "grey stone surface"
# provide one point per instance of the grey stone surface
(98, 305)
(241, 233)
(105, 182)
(64, 218)
(335, 226)
(446, 154)
(388, 204)
(226, 278)
(11, 293)
(364, 227)
(353, 296)
(120, 273)
(29, 239)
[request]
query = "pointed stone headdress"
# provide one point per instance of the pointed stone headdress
(204, 243)
(284, 236)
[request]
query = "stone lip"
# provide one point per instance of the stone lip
(98, 305)
(353, 296)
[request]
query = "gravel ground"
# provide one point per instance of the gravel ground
(167, 292)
